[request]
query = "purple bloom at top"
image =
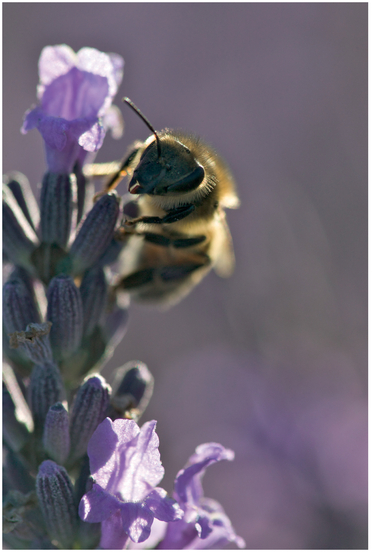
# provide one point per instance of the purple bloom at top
(204, 525)
(75, 94)
(126, 468)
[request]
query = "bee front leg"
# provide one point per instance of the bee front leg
(115, 171)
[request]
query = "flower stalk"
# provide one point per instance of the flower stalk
(63, 422)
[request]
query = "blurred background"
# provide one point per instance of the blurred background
(273, 361)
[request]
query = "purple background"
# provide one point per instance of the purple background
(271, 362)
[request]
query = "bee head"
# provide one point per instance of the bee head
(175, 171)
(166, 166)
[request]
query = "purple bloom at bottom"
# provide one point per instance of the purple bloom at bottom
(125, 467)
(204, 525)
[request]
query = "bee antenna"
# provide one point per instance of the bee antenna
(147, 123)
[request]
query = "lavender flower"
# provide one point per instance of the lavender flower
(204, 525)
(126, 467)
(59, 257)
(75, 94)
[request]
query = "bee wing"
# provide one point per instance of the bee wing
(225, 261)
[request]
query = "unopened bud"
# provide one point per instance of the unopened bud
(56, 499)
(21, 189)
(19, 306)
(56, 207)
(93, 290)
(132, 389)
(116, 324)
(65, 312)
(46, 389)
(95, 233)
(17, 418)
(19, 238)
(56, 437)
(88, 410)
(16, 472)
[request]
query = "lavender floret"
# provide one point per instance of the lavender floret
(95, 233)
(21, 190)
(132, 389)
(88, 410)
(19, 306)
(56, 437)
(65, 311)
(56, 499)
(126, 468)
(46, 389)
(56, 207)
(19, 238)
(94, 291)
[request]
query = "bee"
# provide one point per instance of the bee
(180, 188)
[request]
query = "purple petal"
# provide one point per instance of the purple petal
(145, 469)
(97, 505)
(179, 535)
(163, 507)
(109, 66)
(117, 63)
(113, 535)
(137, 521)
(221, 533)
(157, 534)
(77, 94)
(31, 119)
(101, 448)
(113, 120)
(92, 139)
(53, 62)
(203, 526)
(188, 488)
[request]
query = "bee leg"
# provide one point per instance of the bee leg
(181, 271)
(188, 242)
(115, 179)
(161, 240)
(139, 278)
(172, 216)
(178, 213)
(165, 274)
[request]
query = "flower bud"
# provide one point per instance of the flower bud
(34, 342)
(95, 233)
(116, 324)
(16, 473)
(56, 207)
(17, 416)
(56, 499)
(88, 410)
(65, 312)
(112, 252)
(132, 389)
(93, 290)
(56, 437)
(15, 434)
(19, 238)
(46, 389)
(21, 189)
(19, 306)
